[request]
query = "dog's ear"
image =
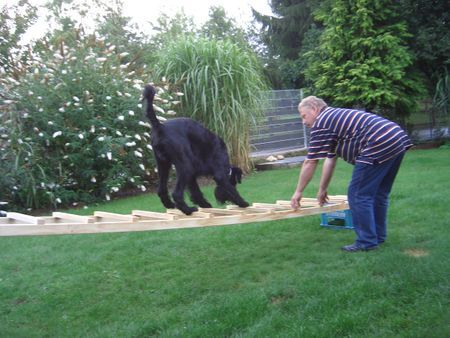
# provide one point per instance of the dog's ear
(235, 175)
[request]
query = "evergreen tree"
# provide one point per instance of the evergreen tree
(363, 59)
(284, 34)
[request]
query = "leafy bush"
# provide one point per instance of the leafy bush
(71, 126)
(223, 84)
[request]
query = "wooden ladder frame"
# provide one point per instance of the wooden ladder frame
(16, 224)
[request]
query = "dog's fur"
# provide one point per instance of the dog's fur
(194, 151)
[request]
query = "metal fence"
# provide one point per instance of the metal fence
(281, 130)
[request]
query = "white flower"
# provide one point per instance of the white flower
(149, 147)
(138, 154)
(109, 155)
(81, 136)
(101, 59)
(179, 94)
(64, 72)
(131, 113)
(92, 129)
(141, 166)
(118, 133)
(107, 197)
(101, 138)
(143, 188)
(132, 180)
(130, 144)
(61, 110)
(108, 98)
(20, 141)
(114, 189)
(93, 179)
(50, 123)
(56, 134)
(138, 137)
(119, 93)
(76, 99)
(30, 93)
(127, 94)
(122, 55)
(121, 117)
(41, 135)
(40, 110)
(58, 200)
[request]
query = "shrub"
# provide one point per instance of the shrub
(71, 126)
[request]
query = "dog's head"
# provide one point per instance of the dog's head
(149, 93)
(235, 175)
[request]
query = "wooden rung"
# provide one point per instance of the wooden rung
(250, 210)
(120, 217)
(271, 206)
(201, 214)
(74, 218)
(218, 211)
(154, 215)
(24, 218)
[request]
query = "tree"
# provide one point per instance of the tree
(284, 34)
(14, 22)
(364, 60)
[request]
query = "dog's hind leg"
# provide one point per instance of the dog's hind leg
(197, 196)
(178, 193)
(163, 174)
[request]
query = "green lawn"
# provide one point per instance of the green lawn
(272, 279)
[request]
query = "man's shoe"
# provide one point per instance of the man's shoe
(357, 247)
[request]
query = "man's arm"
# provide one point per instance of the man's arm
(327, 172)
(306, 174)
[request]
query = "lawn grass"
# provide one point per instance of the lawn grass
(272, 279)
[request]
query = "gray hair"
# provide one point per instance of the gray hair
(312, 102)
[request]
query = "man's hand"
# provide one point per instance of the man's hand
(295, 200)
(322, 197)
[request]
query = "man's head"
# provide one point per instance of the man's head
(309, 108)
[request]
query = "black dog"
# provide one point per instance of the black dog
(195, 151)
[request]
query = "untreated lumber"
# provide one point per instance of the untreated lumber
(15, 224)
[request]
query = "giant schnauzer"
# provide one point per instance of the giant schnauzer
(194, 151)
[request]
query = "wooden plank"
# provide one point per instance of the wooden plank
(154, 215)
(120, 217)
(18, 217)
(74, 218)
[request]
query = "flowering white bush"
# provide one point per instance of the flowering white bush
(72, 128)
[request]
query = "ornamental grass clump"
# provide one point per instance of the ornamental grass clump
(223, 85)
(71, 129)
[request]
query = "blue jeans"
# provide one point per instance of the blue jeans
(368, 197)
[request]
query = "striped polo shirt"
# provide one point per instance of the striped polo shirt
(356, 136)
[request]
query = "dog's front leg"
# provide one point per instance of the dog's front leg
(197, 196)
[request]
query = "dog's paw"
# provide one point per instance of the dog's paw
(169, 204)
(205, 205)
(189, 210)
(243, 204)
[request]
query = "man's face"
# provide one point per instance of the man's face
(308, 115)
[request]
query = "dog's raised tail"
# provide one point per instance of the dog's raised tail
(149, 95)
